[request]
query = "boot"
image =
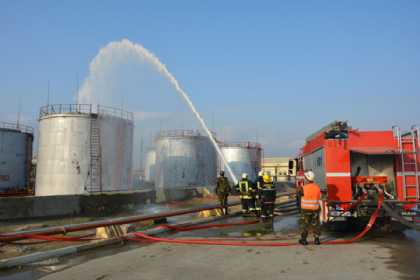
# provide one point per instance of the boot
(317, 241)
(303, 241)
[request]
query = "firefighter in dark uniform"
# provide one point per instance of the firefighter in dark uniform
(268, 197)
(259, 183)
(223, 190)
(310, 210)
(245, 191)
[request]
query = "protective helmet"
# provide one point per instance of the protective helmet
(222, 173)
(267, 178)
(309, 175)
(244, 176)
(261, 173)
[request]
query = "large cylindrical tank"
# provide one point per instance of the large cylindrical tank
(150, 166)
(15, 158)
(184, 159)
(83, 149)
(243, 158)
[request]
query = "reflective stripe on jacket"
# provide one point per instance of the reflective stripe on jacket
(244, 189)
(311, 197)
(268, 185)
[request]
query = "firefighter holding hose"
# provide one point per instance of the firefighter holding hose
(246, 194)
(222, 191)
(310, 204)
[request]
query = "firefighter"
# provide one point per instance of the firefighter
(259, 183)
(222, 191)
(245, 190)
(299, 193)
(268, 196)
(310, 209)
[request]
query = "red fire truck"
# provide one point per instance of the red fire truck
(350, 165)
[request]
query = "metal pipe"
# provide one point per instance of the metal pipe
(14, 236)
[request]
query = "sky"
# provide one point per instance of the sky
(271, 71)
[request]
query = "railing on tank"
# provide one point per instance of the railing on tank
(17, 127)
(54, 109)
(249, 145)
(179, 133)
(115, 112)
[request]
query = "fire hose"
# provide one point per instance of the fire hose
(14, 236)
(140, 236)
(201, 241)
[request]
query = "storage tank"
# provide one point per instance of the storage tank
(243, 157)
(15, 158)
(185, 159)
(149, 166)
(84, 149)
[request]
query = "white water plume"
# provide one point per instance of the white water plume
(114, 51)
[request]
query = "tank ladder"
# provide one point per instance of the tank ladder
(95, 156)
(409, 150)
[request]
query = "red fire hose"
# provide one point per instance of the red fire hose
(190, 228)
(139, 236)
(200, 241)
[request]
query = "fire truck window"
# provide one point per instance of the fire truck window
(319, 161)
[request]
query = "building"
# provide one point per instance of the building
(278, 168)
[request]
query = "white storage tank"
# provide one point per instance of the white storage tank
(15, 158)
(243, 157)
(83, 149)
(150, 166)
(185, 159)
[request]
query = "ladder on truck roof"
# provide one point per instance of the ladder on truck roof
(409, 149)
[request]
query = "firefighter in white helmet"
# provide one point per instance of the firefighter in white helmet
(245, 190)
(310, 204)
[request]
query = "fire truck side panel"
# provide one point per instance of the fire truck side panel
(337, 165)
(315, 162)
(375, 139)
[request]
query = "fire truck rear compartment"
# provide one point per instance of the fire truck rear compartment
(374, 165)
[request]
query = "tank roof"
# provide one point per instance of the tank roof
(247, 145)
(179, 133)
(16, 127)
(84, 109)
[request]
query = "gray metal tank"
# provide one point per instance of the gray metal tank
(83, 149)
(150, 166)
(184, 160)
(243, 157)
(15, 158)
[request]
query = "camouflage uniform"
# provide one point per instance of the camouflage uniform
(309, 219)
(222, 191)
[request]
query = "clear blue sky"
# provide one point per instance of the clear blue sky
(279, 69)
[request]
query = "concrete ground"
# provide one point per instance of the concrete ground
(162, 261)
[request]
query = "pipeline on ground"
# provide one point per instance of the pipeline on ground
(142, 237)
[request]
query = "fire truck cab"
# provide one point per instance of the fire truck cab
(349, 163)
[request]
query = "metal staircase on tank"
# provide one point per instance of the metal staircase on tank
(409, 149)
(95, 184)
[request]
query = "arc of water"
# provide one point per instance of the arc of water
(161, 68)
